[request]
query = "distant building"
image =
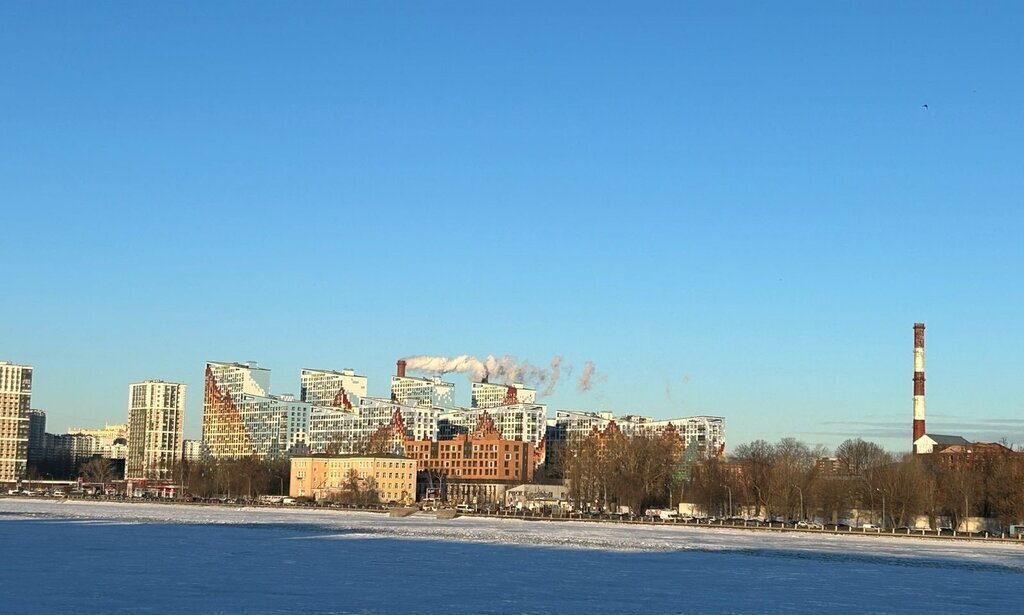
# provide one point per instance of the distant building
(706, 432)
(392, 477)
(426, 392)
(241, 418)
(15, 402)
(482, 455)
(490, 395)
(36, 437)
(156, 413)
(536, 496)
(831, 466)
(321, 387)
(933, 443)
(110, 441)
(337, 430)
(526, 421)
(192, 450)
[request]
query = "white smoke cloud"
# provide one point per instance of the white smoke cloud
(556, 372)
(506, 369)
(586, 379)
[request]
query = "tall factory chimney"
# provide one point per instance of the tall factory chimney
(918, 380)
(401, 368)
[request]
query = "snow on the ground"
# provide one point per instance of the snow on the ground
(562, 534)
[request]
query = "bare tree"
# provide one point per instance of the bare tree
(97, 470)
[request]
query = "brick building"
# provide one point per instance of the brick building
(480, 455)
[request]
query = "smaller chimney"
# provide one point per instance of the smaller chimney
(401, 368)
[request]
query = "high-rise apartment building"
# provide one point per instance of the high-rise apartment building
(36, 437)
(15, 402)
(490, 395)
(241, 418)
(156, 412)
(321, 387)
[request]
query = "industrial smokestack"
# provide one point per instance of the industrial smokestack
(918, 380)
(401, 368)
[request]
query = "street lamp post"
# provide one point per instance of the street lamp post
(883, 507)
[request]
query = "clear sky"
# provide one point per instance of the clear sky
(736, 209)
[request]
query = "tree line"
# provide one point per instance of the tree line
(791, 479)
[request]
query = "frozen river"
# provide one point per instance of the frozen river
(120, 558)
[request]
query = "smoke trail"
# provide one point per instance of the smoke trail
(556, 372)
(506, 369)
(586, 379)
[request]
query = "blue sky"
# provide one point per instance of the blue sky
(735, 209)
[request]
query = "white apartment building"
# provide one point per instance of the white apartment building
(524, 422)
(321, 387)
(413, 391)
(156, 411)
(490, 395)
(110, 441)
(707, 432)
(349, 431)
(15, 402)
(192, 450)
(225, 431)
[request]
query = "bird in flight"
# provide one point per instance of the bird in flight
(925, 107)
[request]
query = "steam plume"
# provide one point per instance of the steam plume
(586, 379)
(506, 369)
(556, 372)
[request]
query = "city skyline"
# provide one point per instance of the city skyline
(729, 212)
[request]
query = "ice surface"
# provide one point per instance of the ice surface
(100, 558)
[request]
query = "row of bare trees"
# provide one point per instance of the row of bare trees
(786, 479)
(793, 480)
(248, 476)
(605, 471)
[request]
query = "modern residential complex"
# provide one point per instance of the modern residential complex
(241, 418)
(336, 430)
(413, 391)
(490, 395)
(526, 421)
(706, 432)
(156, 411)
(321, 387)
(15, 402)
(109, 441)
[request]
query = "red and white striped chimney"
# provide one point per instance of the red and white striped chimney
(918, 380)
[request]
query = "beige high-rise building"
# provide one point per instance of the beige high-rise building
(156, 412)
(15, 402)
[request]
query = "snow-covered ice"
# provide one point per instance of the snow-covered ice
(102, 558)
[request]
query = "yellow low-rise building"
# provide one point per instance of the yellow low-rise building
(378, 478)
